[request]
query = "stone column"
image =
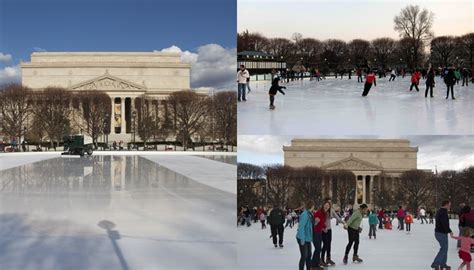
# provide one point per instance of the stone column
(122, 115)
(330, 190)
(371, 186)
(364, 188)
(112, 116)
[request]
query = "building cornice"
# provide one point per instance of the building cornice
(104, 65)
(287, 149)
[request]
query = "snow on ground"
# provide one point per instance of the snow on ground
(11, 160)
(334, 106)
(391, 250)
(112, 212)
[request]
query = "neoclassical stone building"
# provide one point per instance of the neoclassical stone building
(122, 75)
(368, 159)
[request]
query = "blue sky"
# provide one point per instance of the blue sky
(204, 31)
(119, 25)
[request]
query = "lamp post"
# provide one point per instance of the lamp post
(24, 138)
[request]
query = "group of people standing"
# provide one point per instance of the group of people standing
(314, 227)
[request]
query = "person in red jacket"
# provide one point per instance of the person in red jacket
(415, 79)
(408, 221)
(380, 216)
(369, 80)
(320, 217)
(401, 218)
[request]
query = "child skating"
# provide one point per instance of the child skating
(408, 221)
(273, 91)
(465, 250)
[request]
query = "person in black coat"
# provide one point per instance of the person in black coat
(450, 81)
(430, 82)
(442, 230)
(465, 76)
(276, 218)
(273, 91)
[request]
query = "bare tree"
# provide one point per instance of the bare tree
(279, 185)
(359, 51)
(443, 49)
(384, 49)
(333, 53)
(309, 49)
(95, 111)
(190, 112)
(15, 109)
(307, 185)
(224, 112)
(53, 108)
(345, 186)
(280, 47)
(416, 187)
(467, 47)
(415, 24)
(147, 121)
(466, 180)
(450, 186)
(251, 41)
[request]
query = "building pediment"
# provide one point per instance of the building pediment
(108, 82)
(351, 164)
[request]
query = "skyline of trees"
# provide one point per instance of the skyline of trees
(413, 24)
(264, 185)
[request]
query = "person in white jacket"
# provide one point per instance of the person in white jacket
(393, 75)
(242, 77)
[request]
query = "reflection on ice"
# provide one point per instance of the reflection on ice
(50, 210)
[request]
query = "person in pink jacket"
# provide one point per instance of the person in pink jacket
(465, 250)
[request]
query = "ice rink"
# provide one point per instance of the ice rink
(334, 106)
(115, 212)
(392, 249)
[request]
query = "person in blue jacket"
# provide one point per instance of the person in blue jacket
(304, 235)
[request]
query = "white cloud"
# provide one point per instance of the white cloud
(213, 66)
(38, 49)
(10, 75)
(5, 58)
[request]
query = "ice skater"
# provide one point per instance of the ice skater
(359, 75)
(263, 218)
(369, 80)
(430, 82)
(353, 231)
(465, 76)
(423, 216)
(276, 218)
(408, 221)
(320, 217)
(242, 76)
(393, 75)
(465, 250)
(450, 81)
(442, 230)
(372, 224)
(273, 91)
(414, 81)
(327, 235)
(304, 235)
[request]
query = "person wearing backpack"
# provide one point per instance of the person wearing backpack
(276, 219)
